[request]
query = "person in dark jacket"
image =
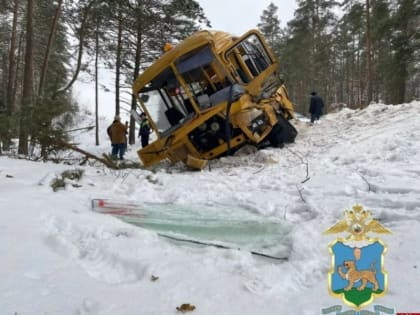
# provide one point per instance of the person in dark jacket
(315, 107)
(144, 131)
(117, 133)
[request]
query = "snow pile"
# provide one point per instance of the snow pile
(59, 257)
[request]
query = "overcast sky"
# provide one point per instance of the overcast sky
(238, 16)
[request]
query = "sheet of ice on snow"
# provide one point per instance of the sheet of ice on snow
(216, 223)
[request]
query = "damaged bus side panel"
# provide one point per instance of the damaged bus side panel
(210, 95)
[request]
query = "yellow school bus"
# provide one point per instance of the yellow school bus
(211, 94)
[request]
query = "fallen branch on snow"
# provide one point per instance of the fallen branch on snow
(106, 160)
(300, 193)
(365, 180)
(304, 161)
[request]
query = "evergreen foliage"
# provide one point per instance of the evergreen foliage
(270, 27)
(26, 42)
(38, 65)
(326, 52)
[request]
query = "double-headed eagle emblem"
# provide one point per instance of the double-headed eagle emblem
(358, 222)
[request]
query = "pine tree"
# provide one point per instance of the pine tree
(51, 38)
(36, 68)
(28, 83)
(3, 61)
(381, 24)
(369, 54)
(11, 101)
(97, 33)
(308, 51)
(270, 27)
(405, 45)
(351, 37)
(78, 16)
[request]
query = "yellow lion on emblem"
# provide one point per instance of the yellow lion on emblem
(353, 275)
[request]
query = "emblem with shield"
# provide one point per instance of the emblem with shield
(357, 272)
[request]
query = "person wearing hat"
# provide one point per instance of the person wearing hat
(117, 132)
(144, 131)
(315, 107)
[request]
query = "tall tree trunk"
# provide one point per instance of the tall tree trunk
(132, 134)
(118, 65)
(3, 81)
(369, 55)
(5, 122)
(27, 97)
(96, 88)
(49, 46)
(19, 64)
(81, 34)
(315, 77)
(11, 88)
(360, 77)
(401, 86)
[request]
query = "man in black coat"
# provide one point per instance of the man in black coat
(144, 131)
(315, 107)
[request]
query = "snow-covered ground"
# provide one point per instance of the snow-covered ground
(58, 257)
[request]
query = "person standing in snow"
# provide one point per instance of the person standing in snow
(144, 131)
(315, 107)
(116, 133)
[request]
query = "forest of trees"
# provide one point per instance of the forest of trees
(45, 45)
(369, 52)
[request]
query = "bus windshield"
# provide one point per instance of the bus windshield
(249, 58)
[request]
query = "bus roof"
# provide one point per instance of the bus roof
(218, 39)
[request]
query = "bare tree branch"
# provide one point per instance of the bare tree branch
(300, 193)
(365, 180)
(104, 160)
(304, 161)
